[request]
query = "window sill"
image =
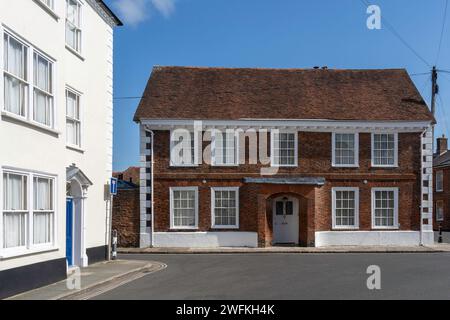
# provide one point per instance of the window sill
(439, 190)
(219, 228)
(74, 148)
(49, 10)
(76, 53)
(386, 228)
(345, 166)
(345, 228)
(383, 167)
(184, 166)
(187, 229)
(224, 165)
(28, 122)
(26, 252)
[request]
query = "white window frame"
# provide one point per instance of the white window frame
(172, 216)
(213, 201)
(272, 153)
(30, 247)
(373, 150)
(439, 178)
(196, 147)
(440, 218)
(29, 109)
(79, 28)
(333, 208)
(356, 150)
(396, 224)
(51, 9)
(78, 94)
(214, 161)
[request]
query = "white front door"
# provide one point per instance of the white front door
(285, 220)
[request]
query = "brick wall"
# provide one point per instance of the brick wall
(314, 159)
(443, 196)
(126, 217)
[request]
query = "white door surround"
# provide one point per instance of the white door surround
(285, 211)
(77, 187)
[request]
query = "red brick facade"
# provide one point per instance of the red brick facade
(443, 197)
(314, 160)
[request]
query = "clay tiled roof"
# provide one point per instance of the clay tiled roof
(233, 94)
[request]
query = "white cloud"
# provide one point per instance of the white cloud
(134, 12)
(165, 7)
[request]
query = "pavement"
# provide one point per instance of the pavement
(289, 276)
(443, 247)
(85, 283)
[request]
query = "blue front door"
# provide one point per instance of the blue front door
(69, 231)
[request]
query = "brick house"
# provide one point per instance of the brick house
(131, 174)
(441, 171)
(260, 157)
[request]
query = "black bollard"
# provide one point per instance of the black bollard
(440, 234)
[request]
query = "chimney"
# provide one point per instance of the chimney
(442, 145)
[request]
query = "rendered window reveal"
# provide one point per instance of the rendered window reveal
(225, 148)
(345, 149)
(43, 90)
(73, 24)
(73, 119)
(182, 148)
(384, 149)
(284, 149)
(439, 181)
(384, 208)
(225, 207)
(16, 75)
(184, 208)
(345, 207)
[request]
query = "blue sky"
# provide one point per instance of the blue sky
(270, 33)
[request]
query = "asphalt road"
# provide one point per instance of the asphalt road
(290, 276)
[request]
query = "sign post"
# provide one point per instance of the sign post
(112, 193)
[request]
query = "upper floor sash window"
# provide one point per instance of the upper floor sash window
(224, 148)
(284, 149)
(345, 150)
(182, 148)
(384, 149)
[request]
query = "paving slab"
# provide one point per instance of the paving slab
(87, 282)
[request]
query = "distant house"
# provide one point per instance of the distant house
(130, 175)
(261, 157)
(441, 170)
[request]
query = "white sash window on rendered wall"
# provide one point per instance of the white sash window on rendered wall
(15, 75)
(43, 211)
(15, 210)
(43, 91)
(28, 212)
(28, 82)
(73, 24)
(73, 119)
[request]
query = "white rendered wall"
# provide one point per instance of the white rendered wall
(367, 238)
(205, 239)
(27, 147)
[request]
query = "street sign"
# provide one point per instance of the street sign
(113, 186)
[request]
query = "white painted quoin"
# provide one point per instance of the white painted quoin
(56, 105)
